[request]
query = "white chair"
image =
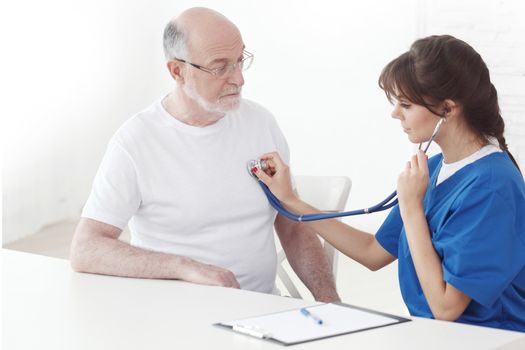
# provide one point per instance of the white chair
(329, 194)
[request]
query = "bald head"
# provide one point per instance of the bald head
(205, 55)
(196, 15)
(198, 31)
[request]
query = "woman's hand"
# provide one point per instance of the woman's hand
(412, 183)
(277, 178)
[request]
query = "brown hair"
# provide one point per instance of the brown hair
(441, 67)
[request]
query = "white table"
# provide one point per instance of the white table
(45, 305)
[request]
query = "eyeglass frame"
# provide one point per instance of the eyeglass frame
(214, 71)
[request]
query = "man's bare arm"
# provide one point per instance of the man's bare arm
(97, 249)
(307, 258)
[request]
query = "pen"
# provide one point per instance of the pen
(253, 331)
(312, 316)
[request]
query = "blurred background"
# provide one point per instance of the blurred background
(74, 71)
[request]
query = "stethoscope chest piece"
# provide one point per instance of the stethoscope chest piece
(256, 164)
(387, 203)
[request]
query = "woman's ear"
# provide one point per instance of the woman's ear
(175, 70)
(450, 109)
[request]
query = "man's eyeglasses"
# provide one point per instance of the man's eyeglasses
(224, 71)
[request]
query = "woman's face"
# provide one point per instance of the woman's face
(416, 120)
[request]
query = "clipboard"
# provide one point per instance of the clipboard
(293, 327)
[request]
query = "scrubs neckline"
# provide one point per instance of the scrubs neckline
(435, 192)
(454, 177)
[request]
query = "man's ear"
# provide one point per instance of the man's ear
(175, 69)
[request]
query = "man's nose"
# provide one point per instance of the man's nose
(237, 76)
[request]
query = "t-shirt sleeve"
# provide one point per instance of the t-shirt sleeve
(115, 196)
(482, 252)
(389, 232)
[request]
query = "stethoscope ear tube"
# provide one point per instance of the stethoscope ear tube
(434, 134)
(276, 204)
(387, 203)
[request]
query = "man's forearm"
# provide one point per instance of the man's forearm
(96, 249)
(308, 259)
(109, 256)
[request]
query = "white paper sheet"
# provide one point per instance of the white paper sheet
(292, 326)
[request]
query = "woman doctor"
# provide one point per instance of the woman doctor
(458, 231)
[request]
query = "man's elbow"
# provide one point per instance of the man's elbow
(77, 256)
(76, 264)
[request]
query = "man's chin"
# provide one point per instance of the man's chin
(231, 104)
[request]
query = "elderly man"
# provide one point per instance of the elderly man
(176, 172)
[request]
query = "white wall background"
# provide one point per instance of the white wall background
(496, 29)
(77, 70)
(73, 71)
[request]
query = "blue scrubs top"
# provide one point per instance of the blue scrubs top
(476, 219)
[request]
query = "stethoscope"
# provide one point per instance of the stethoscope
(387, 203)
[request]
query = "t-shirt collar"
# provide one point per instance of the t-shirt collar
(170, 120)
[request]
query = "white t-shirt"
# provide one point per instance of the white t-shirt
(447, 170)
(187, 191)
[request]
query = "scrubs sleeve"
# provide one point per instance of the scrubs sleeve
(389, 232)
(481, 249)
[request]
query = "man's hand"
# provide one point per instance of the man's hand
(196, 272)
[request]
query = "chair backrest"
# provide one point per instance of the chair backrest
(329, 194)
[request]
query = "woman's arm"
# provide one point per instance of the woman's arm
(445, 301)
(358, 245)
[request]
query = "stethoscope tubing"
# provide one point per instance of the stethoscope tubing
(386, 204)
(276, 204)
